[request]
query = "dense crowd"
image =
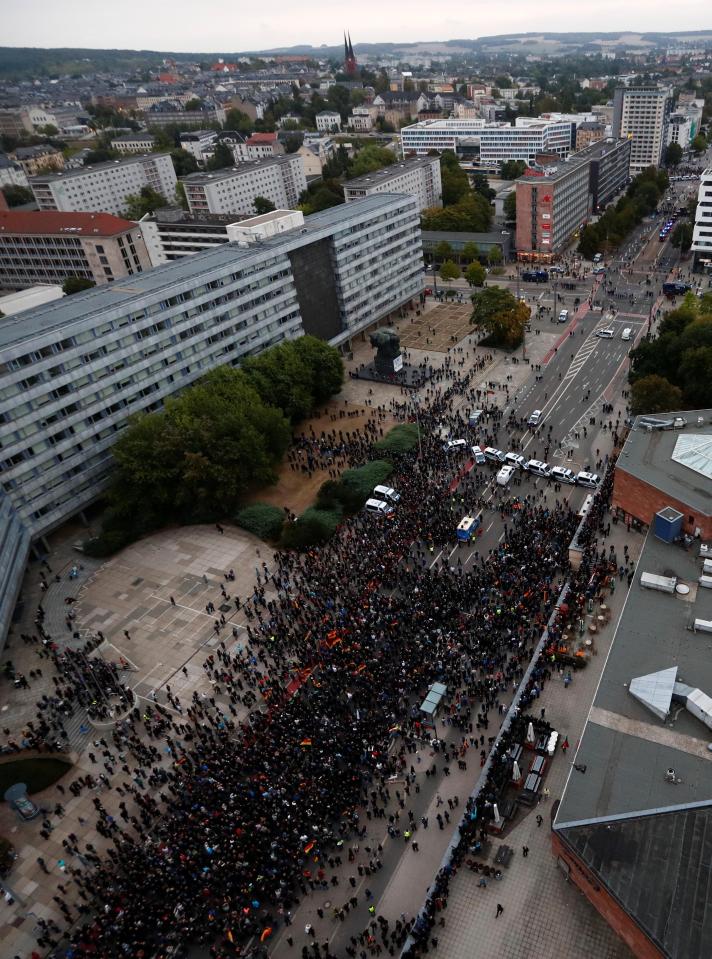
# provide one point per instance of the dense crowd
(231, 823)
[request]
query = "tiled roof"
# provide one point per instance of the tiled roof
(72, 224)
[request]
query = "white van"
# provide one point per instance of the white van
(505, 475)
(538, 468)
(493, 455)
(386, 494)
(561, 474)
(564, 316)
(516, 460)
(378, 506)
(452, 445)
(475, 416)
(534, 418)
(626, 334)
(478, 455)
(598, 257)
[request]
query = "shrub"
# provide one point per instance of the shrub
(400, 439)
(107, 543)
(314, 527)
(261, 519)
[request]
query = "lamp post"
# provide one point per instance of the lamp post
(435, 279)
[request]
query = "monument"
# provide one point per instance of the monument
(389, 359)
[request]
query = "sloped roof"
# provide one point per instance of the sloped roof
(658, 866)
(695, 452)
(44, 222)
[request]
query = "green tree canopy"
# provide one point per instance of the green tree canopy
(455, 183)
(480, 184)
(654, 394)
(263, 205)
(495, 255)
(511, 169)
(195, 104)
(183, 162)
(75, 284)
(238, 121)
(450, 270)
(17, 195)
(470, 252)
(147, 201)
(695, 372)
(681, 237)
(371, 158)
(221, 158)
(475, 274)
(673, 154)
(472, 214)
(442, 251)
(699, 144)
(497, 312)
(510, 207)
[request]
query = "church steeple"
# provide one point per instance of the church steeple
(350, 64)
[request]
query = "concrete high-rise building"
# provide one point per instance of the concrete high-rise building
(642, 114)
(419, 176)
(702, 231)
(47, 247)
(233, 190)
(103, 187)
(75, 370)
(551, 206)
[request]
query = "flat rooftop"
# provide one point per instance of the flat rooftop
(648, 457)
(647, 840)
(94, 168)
(180, 274)
(248, 166)
(391, 172)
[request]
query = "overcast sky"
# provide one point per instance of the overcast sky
(232, 25)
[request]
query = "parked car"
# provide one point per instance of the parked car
(454, 445)
(478, 455)
(535, 418)
(516, 460)
(606, 334)
(589, 480)
(561, 474)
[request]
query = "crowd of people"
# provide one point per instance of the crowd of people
(226, 823)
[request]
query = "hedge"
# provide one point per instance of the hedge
(262, 519)
(400, 439)
(312, 528)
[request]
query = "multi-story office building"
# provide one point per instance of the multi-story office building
(702, 231)
(642, 114)
(551, 206)
(610, 163)
(47, 247)
(280, 180)
(419, 176)
(439, 135)
(501, 142)
(104, 186)
(680, 130)
(72, 372)
(134, 143)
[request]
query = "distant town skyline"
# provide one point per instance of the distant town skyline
(225, 25)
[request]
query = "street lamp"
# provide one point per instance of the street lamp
(435, 279)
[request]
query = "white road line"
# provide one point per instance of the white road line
(436, 559)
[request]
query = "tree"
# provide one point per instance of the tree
(100, 155)
(681, 237)
(673, 154)
(221, 158)
(654, 394)
(184, 163)
(694, 373)
(181, 198)
(470, 252)
(511, 169)
(371, 158)
(472, 214)
(455, 183)
(510, 207)
(501, 316)
(480, 184)
(495, 255)
(475, 274)
(263, 205)
(699, 144)
(195, 104)
(449, 270)
(17, 195)
(147, 201)
(75, 284)
(238, 121)
(442, 251)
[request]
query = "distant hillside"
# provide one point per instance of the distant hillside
(37, 62)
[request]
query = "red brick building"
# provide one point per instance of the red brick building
(659, 468)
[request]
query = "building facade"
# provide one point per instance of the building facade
(419, 176)
(702, 230)
(104, 186)
(552, 206)
(280, 180)
(47, 247)
(328, 121)
(610, 163)
(588, 132)
(196, 142)
(642, 113)
(11, 173)
(131, 143)
(39, 159)
(419, 138)
(74, 371)
(501, 142)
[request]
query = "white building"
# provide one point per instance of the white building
(280, 180)
(702, 231)
(11, 173)
(265, 226)
(103, 187)
(328, 121)
(196, 142)
(131, 143)
(361, 120)
(439, 134)
(316, 151)
(418, 176)
(501, 142)
(642, 114)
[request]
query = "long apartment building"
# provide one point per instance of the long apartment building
(702, 230)
(47, 247)
(642, 114)
(419, 176)
(72, 372)
(280, 179)
(552, 205)
(440, 135)
(104, 186)
(501, 142)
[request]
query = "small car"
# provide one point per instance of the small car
(535, 418)
(475, 417)
(606, 334)
(478, 455)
